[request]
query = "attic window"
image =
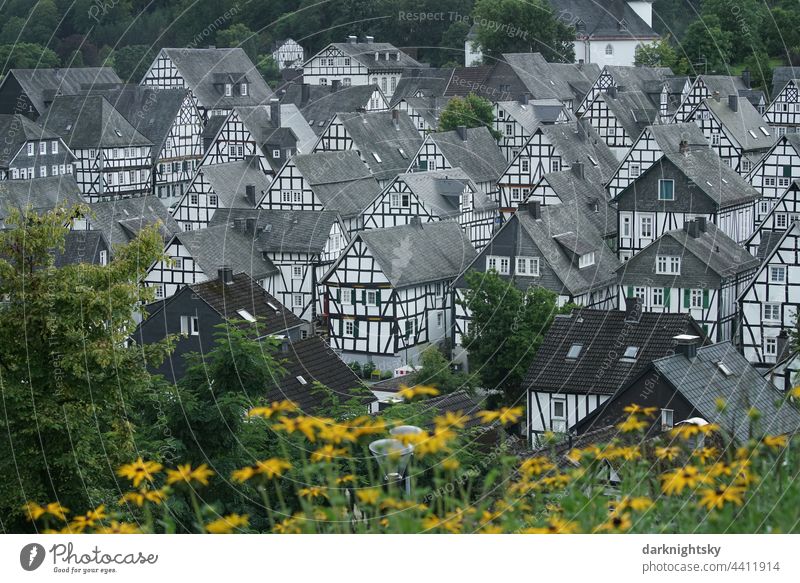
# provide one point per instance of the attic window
(752, 134)
(377, 158)
(402, 153)
(724, 181)
(119, 133)
(631, 352)
(69, 126)
(311, 123)
(575, 351)
(764, 130)
(592, 160)
(245, 315)
(301, 380)
(724, 369)
(707, 182)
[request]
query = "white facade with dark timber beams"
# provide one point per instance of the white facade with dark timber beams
(233, 142)
(784, 212)
(769, 303)
(779, 167)
(516, 121)
(180, 155)
(783, 113)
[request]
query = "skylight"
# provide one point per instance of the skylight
(752, 134)
(69, 126)
(764, 130)
(119, 133)
(377, 158)
(271, 305)
(403, 153)
(707, 182)
(301, 380)
(631, 352)
(724, 369)
(245, 315)
(574, 351)
(592, 160)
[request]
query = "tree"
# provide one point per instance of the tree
(658, 54)
(507, 327)
(131, 62)
(435, 371)
(509, 26)
(471, 111)
(707, 47)
(69, 383)
(268, 69)
(742, 20)
(26, 56)
(238, 35)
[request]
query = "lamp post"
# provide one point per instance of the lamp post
(392, 457)
(400, 431)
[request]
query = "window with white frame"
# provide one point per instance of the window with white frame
(509, 129)
(777, 274)
(297, 272)
(297, 300)
(559, 405)
(190, 326)
(696, 298)
(30, 149)
(609, 49)
(243, 89)
(668, 265)
(297, 196)
(646, 227)
(399, 200)
(103, 257)
(372, 297)
(515, 194)
(715, 139)
(349, 327)
(772, 312)
(159, 290)
(667, 419)
(286, 196)
(213, 200)
(586, 260)
(439, 319)
(43, 147)
(641, 293)
(746, 165)
(555, 165)
(781, 220)
(658, 296)
(228, 90)
(636, 170)
(497, 263)
(346, 297)
(54, 170)
(771, 346)
(528, 266)
(193, 199)
(526, 165)
(666, 189)
(626, 226)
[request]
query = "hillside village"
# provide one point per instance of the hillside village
(332, 216)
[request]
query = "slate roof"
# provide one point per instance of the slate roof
(742, 122)
(325, 101)
(428, 108)
(579, 142)
(284, 231)
(466, 80)
(440, 191)
(151, 111)
(376, 133)
(724, 84)
(313, 360)
(121, 220)
(601, 20)
(340, 180)
(41, 85)
(215, 247)
(781, 76)
(545, 80)
(769, 239)
(478, 156)
(230, 180)
(293, 131)
(39, 194)
(455, 402)
(604, 336)
(628, 78)
(415, 254)
(364, 53)
(80, 247)
(633, 109)
(586, 195)
(424, 82)
(201, 69)
(90, 121)
(15, 130)
(701, 382)
(530, 115)
(212, 129)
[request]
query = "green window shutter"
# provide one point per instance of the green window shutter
(667, 291)
(338, 294)
(364, 297)
(355, 329)
(341, 327)
(630, 291)
(687, 298)
(378, 298)
(787, 171)
(705, 298)
(353, 297)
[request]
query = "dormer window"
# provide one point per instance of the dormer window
(586, 260)
(228, 89)
(30, 148)
(243, 89)
(276, 153)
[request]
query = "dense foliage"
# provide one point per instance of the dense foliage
(471, 111)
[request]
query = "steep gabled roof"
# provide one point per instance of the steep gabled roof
(604, 336)
(415, 254)
(602, 20)
(293, 130)
(80, 247)
(230, 181)
(42, 85)
(440, 191)
(478, 156)
(90, 121)
(15, 130)
(633, 110)
(702, 382)
(387, 140)
(745, 124)
(466, 80)
(579, 142)
(537, 111)
(424, 82)
(633, 78)
(39, 194)
(205, 71)
(586, 195)
(121, 220)
(325, 101)
(545, 80)
(373, 55)
(215, 247)
(781, 76)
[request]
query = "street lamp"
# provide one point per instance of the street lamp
(400, 431)
(392, 457)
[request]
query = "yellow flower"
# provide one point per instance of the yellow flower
(616, 523)
(118, 528)
(97, 514)
(313, 492)
(53, 509)
(634, 409)
(451, 419)
(409, 393)
(139, 470)
(227, 524)
(775, 441)
(667, 453)
(686, 477)
(143, 495)
(535, 466)
(504, 415)
(35, 512)
(347, 479)
(450, 464)
(555, 525)
(271, 468)
(287, 526)
(327, 452)
(368, 495)
(637, 504)
(185, 474)
(795, 392)
(555, 482)
(276, 407)
(631, 424)
(81, 523)
(705, 454)
(717, 497)
(687, 430)
(335, 434)
(491, 529)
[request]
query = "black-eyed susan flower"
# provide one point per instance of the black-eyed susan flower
(142, 495)
(775, 442)
(346, 479)
(717, 497)
(312, 492)
(227, 524)
(116, 527)
(270, 468)
(504, 415)
(451, 419)
(409, 393)
(184, 474)
(706, 454)
(139, 470)
(535, 466)
(451, 464)
(555, 525)
(270, 410)
(667, 453)
(368, 496)
(634, 409)
(616, 523)
(635, 503)
(631, 424)
(327, 452)
(55, 509)
(675, 481)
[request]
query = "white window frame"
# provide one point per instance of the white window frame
(771, 312)
(696, 298)
(527, 266)
(666, 181)
(774, 270)
(558, 401)
(297, 272)
(668, 265)
(499, 263)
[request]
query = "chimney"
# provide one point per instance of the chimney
(686, 344)
(250, 194)
(250, 225)
(369, 39)
(633, 310)
(691, 229)
(352, 39)
(416, 221)
(683, 147)
(746, 78)
(535, 209)
(396, 119)
(733, 102)
(583, 128)
(335, 85)
(275, 112)
(462, 132)
(239, 224)
(305, 93)
(525, 99)
(577, 169)
(612, 92)
(701, 224)
(716, 95)
(225, 275)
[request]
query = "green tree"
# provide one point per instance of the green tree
(507, 327)
(26, 56)
(706, 47)
(238, 35)
(471, 111)
(131, 62)
(70, 384)
(435, 371)
(658, 54)
(742, 20)
(268, 69)
(511, 26)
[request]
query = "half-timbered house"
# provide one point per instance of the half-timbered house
(423, 112)
(435, 196)
(516, 121)
(219, 186)
(332, 181)
(587, 356)
(784, 375)
(424, 82)
(783, 113)
(220, 79)
(113, 160)
(302, 245)
(385, 141)
(773, 174)
(228, 139)
(735, 129)
(784, 212)
(552, 148)
(29, 151)
(769, 303)
(31, 91)
(288, 54)
(359, 63)
(388, 293)
(684, 183)
(619, 117)
(320, 103)
(648, 80)
(708, 86)
(697, 270)
(279, 130)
